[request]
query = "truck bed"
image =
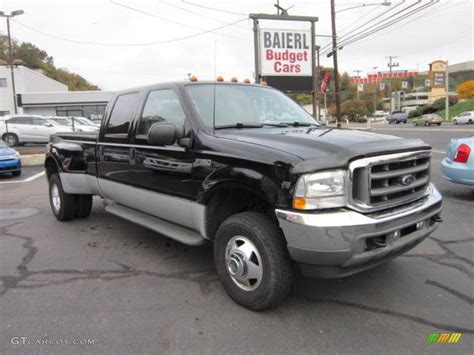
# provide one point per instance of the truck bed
(75, 136)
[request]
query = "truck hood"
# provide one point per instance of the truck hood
(324, 148)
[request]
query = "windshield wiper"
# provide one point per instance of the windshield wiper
(276, 124)
(240, 125)
(299, 124)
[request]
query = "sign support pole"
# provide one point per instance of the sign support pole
(255, 48)
(313, 67)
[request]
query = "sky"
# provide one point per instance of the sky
(118, 44)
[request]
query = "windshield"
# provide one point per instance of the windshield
(243, 104)
(62, 121)
(84, 121)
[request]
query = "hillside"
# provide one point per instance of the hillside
(467, 105)
(36, 58)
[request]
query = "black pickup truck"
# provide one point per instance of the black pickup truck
(244, 167)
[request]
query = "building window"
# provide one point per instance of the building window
(3, 83)
(89, 111)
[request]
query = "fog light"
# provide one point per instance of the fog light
(420, 225)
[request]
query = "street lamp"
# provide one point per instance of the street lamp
(385, 3)
(10, 50)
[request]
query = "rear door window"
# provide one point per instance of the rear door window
(121, 116)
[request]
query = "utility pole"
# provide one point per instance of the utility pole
(391, 65)
(446, 81)
(336, 71)
(10, 52)
(316, 92)
(358, 71)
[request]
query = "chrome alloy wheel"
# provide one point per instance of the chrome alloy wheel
(55, 199)
(244, 263)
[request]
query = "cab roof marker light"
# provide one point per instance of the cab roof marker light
(193, 78)
(220, 78)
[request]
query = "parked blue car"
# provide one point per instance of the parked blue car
(398, 117)
(10, 161)
(458, 166)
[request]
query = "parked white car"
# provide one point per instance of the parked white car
(79, 125)
(464, 118)
(21, 129)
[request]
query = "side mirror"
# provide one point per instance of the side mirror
(164, 133)
(47, 124)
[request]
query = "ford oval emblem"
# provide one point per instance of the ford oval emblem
(407, 180)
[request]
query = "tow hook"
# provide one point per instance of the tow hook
(437, 218)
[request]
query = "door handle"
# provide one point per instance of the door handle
(131, 156)
(101, 152)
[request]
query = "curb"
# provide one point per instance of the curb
(32, 159)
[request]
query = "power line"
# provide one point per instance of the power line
(171, 21)
(127, 44)
(199, 14)
(324, 47)
(371, 30)
(348, 41)
(213, 8)
(424, 15)
(371, 27)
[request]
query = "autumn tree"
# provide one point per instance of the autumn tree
(354, 108)
(36, 58)
(466, 90)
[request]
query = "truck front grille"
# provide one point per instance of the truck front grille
(390, 180)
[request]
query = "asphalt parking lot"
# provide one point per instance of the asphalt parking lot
(119, 288)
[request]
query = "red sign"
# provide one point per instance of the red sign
(375, 78)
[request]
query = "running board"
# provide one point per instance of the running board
(171, 230)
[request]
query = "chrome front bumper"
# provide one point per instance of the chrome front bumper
(341, 242)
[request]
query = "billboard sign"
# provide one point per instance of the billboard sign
(285, 52)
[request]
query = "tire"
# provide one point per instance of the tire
(427, 124)
(83, 206)
(455, 122)
(62, 204)
(415, 124)
(268, 255)
(439, 124)
(11, 139)
(470, 121)
(16, 173)
(404, 122)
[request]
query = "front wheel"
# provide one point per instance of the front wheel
(11, 139)
(455, 122)
(252, 260)
(427, 123)
(62, 204)
(470, 121)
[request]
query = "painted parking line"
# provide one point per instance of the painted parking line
(31, 178)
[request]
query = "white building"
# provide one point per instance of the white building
(37, 94)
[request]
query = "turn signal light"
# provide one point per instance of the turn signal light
(462, 154)
(299, 203)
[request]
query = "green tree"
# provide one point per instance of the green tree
(36, 58)
(354, 108)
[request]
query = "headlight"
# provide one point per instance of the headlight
(16, 155)
(321, 190)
